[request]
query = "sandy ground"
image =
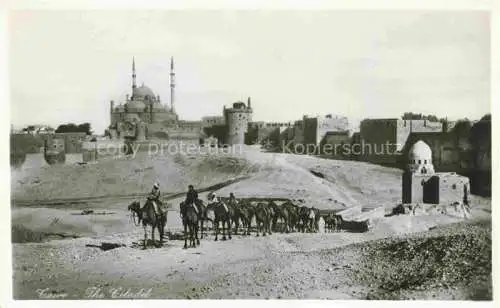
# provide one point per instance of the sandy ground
(276, 266)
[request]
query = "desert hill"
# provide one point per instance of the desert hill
(320, 182)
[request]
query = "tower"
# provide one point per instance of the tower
(237, 119)
(133, 74)
(172, 84)
(111, 110)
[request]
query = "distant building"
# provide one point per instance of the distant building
(62, 142)
(237, 119)
(421, 184)
(272, 133)
(383, 139)
(305, 135)
(336, 144)
(144, 116)
(315, 128)
(449, 152)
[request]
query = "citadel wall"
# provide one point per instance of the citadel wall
(336, 145)
(183, 129)
(315, 128)
(27, 143)
(330, 123)
(298, 132)
(208, 121)
(218, 131)
(405, 127)
(270, 131)
(446, 155)
(378, 140)
(383, 140)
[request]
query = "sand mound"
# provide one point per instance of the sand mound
(115, 176)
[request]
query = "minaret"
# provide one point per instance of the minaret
(133, 74)
(172, 84)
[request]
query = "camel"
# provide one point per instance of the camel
(190, 218)
(222, 213)
(263, 217)
(147, 215)
(244, 212)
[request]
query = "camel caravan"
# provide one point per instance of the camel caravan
(228, 216)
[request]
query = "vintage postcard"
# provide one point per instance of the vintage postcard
(250, 154)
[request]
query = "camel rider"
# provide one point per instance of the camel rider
(232, 199)
(155, 197)
(216, 199)
(192, 197)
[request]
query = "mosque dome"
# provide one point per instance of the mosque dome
(143, 92)
(420, 158)
(159, 107)
(135, 106)
(420, 151)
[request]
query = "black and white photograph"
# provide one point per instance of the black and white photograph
(335, 154)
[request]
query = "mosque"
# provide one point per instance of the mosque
(421, 184)
(144, 116)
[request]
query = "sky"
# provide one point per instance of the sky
(65, 66)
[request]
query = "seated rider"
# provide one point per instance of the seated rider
(192, 197)
(232, 199)
(154, 196)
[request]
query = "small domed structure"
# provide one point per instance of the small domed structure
(420, 158)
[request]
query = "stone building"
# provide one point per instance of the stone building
(144, 116)
(481, 162)
(336, 144)
(28, 143)
(301, 136)
(448, 153)
(237, 119)
(315, 128)
(421, 184)
(273, 133)
(383, 139)
(214, 127)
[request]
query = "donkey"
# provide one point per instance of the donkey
(190, 222)
(222, 213)
(147, 215)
